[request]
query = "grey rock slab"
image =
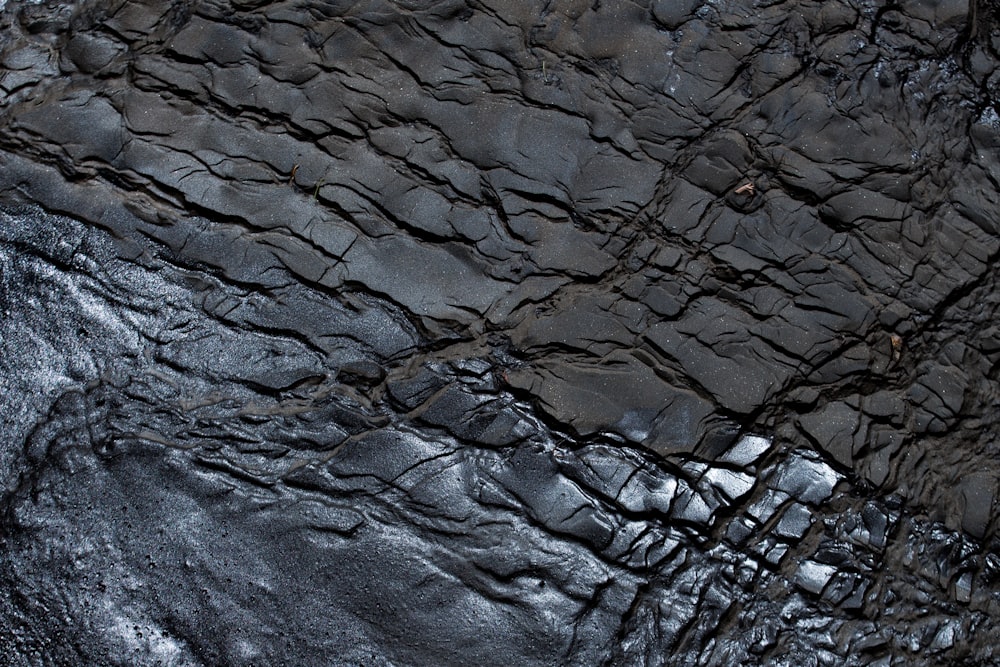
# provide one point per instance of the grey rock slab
(449, 333)
(813, 576)
(795, 521)
(434, 281)
(622, 395)
(586, 323)
(856, 206)
(806, 478)
(721, 163)
(978, 496)
(713, 346)
(85, 125)
(747, 449)
(835, 428)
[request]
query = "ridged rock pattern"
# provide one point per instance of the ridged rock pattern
(477, 332)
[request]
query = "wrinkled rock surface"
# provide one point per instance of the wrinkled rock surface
(652, 332)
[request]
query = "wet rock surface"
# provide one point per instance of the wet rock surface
(615, 333)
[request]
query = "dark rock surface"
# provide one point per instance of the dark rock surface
(660, 332)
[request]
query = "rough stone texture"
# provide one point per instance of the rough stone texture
(499, 333)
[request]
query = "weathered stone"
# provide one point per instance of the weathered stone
(498, 333)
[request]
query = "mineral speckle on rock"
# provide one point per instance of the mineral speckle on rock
(537, 333)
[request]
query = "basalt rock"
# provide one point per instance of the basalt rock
(536, 333)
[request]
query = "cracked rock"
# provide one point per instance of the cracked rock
(537, 333)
